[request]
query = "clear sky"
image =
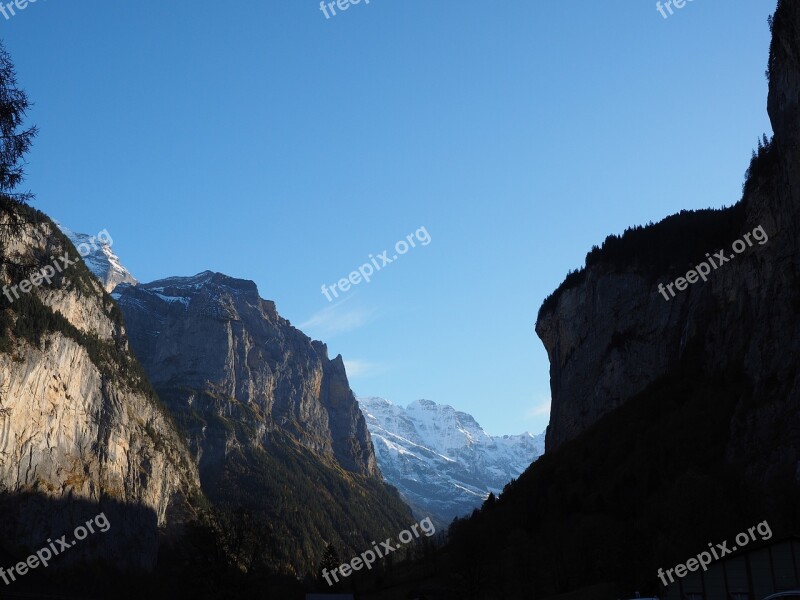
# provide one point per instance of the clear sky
(262, 140)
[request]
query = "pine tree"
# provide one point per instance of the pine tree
(14, 144)
(330, 560)
(14, 140)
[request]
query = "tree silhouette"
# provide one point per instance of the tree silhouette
(14, 140)
(330, 560)
(14, 144)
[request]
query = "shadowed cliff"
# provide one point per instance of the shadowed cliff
(675, 421)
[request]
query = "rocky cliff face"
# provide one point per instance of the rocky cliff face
(209, 343)
(441, 459)
(78, 422)
(675, 420)
(266, 414)
(610, 334)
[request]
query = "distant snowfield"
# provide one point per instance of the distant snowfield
(441, 460)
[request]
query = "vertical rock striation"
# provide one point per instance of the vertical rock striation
(270, 419)
(210, 343)
(79, 424)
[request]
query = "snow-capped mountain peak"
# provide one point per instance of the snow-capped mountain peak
(441, 459)
(99, 258)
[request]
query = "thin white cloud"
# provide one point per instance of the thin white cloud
(362, 368)
(336, 319)
(540, 410)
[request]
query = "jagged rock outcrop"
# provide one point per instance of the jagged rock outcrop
(610, 334)
(79, 424)
(212, 334)
(266, 414)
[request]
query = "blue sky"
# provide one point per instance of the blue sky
(262, 140)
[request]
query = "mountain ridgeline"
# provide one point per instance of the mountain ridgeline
(80, 426)
(441, 460)
(99, 258)
(226, 449)
(674, 421)
(252, 457)
(269, 419)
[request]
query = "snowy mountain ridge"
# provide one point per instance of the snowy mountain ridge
(440, 459)
(99, 258)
